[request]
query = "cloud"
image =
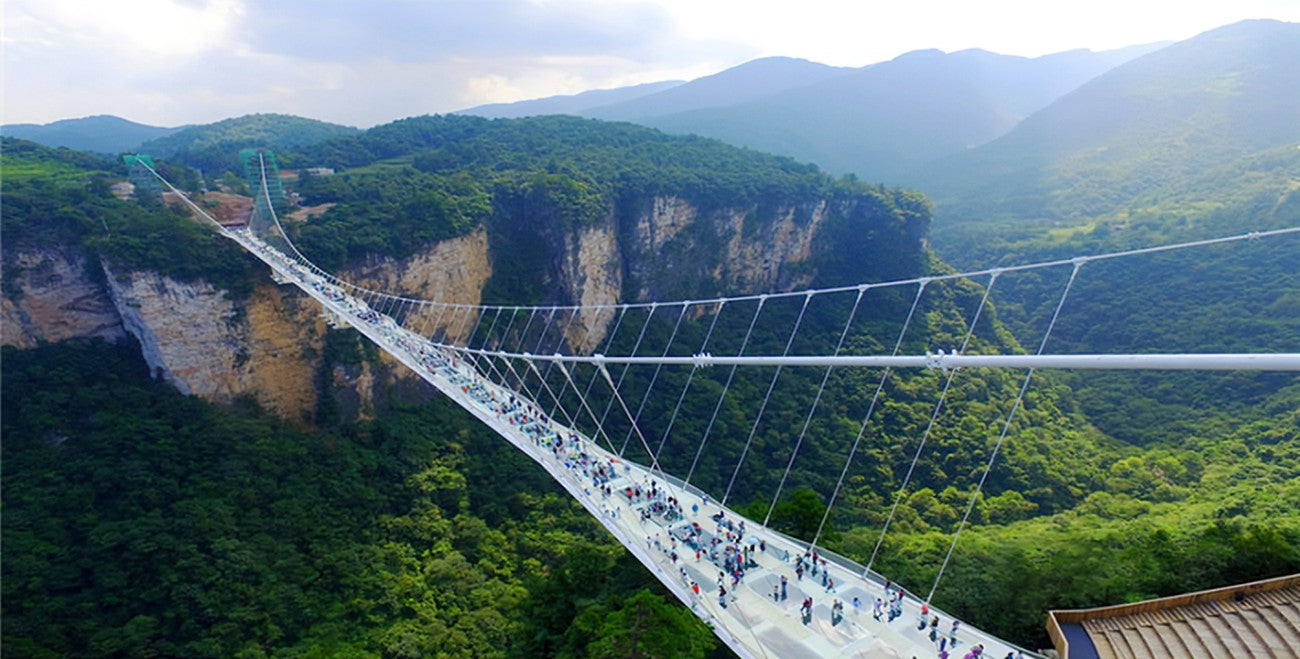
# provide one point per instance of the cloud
(169, 62)
(405, 57)
(142, 32)
(76, 57)
(407, 31)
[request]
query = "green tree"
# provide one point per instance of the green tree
(234, 184)
(647, 626)
(799, 513)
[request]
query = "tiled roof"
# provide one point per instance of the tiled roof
(1260, 619)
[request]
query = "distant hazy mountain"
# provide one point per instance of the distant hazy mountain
(740, 84)
(884, 119)
(570, 104)
(1165, 117)
(215, 147)
(877, 121)
(100, 134)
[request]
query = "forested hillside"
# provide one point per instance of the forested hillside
(214, 148)
(99, 134)
(140, 522)
(1171, 117)
(1193, 142)
(1189, 143)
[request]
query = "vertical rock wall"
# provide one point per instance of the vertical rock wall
(674, 246)
(270, 345)
(49, 296)
(203, 343)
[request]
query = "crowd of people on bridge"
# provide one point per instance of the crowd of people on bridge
(655, 502)
(328, 291)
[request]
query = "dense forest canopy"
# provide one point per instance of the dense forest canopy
(1232, 298)
(141, 522)
(214, 148)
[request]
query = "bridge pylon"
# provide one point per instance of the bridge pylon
(269, 200)
(140, 171)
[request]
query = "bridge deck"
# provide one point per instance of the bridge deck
(750, 620)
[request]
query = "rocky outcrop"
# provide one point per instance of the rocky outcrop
(195, 337)
(674, 247)
(594, 270)
(667, 217)
(271, 344)
(452, 271)
(50, 296)
(769, 263)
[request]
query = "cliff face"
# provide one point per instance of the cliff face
(272, 344)
(49, 296)
(675, 245)
(594, 270)
(190, 334)
(268, 345)
(205, 344)
(664, 247)
(453, 271)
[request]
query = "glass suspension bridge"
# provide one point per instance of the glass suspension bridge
(548, 380)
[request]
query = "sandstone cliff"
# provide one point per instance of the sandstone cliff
(52, 294)
(206, 344)
(738, 250)
(272, 344)
(269, 345)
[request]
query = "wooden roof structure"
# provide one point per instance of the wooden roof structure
(1257, 619)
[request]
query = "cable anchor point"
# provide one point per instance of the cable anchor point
(938, 360)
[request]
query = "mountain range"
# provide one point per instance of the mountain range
(875, 122)
(99, 134)
(1072, 135)
(1111, 487)
(1208, 103)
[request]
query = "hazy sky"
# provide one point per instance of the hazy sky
(364, 62)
